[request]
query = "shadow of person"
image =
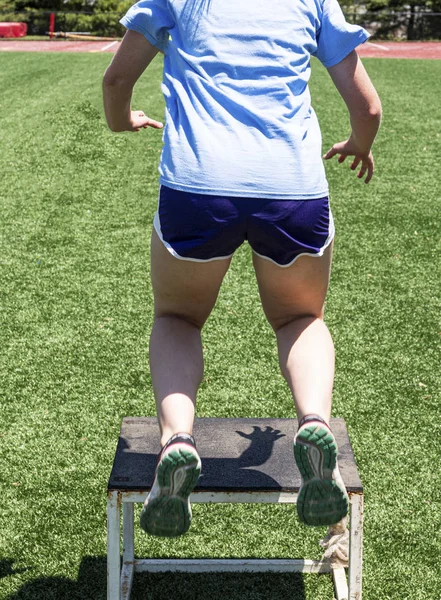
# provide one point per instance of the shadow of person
(91, 585)
(7, 568)
(219, 586)
(49, 588)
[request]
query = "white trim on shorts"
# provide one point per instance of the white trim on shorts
(312, 254)
(157, 226)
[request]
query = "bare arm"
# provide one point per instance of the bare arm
(356, 89)
(133, 57)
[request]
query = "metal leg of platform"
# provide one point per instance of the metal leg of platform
(340, 583)
(128, 566)
(356, 547)
(113, 546)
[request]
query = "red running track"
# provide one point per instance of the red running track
(57, 46)
(425, 50)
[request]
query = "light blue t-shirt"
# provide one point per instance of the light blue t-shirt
(239, 120)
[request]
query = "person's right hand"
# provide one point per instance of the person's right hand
(139, 120)
(350, 148)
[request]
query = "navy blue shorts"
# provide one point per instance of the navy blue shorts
(202, 227)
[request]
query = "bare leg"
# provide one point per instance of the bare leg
(306, 355)
(293, 301)
(185, 293)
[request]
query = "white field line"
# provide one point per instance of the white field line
(378, 46)
(109, 45)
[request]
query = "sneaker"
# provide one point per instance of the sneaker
(167, 510)
(322, 499)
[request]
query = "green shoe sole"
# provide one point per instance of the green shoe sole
(168, 513)
(322, 498)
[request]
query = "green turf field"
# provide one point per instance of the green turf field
(76, 208)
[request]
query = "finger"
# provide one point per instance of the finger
(368, 165)
(370, 172)
(155, 124)
(355, 163)
(146, 122)
(330, 153)
(363, 170)
(342, 158)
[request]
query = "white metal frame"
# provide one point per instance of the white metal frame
(120, 577)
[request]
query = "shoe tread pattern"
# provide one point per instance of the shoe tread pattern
(321, 500)
(169, 513)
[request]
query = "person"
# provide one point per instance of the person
(241, 160)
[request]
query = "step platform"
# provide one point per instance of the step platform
(243, 460)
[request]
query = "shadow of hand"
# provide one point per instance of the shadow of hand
(262, 442)
(270, 434)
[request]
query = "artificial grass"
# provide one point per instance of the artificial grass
(77, 205)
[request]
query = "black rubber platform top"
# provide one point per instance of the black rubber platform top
(238, 455)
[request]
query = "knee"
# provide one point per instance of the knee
(295, 320)
(309, 327)
(179, 319)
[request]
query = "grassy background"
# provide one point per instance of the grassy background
(77, 203)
